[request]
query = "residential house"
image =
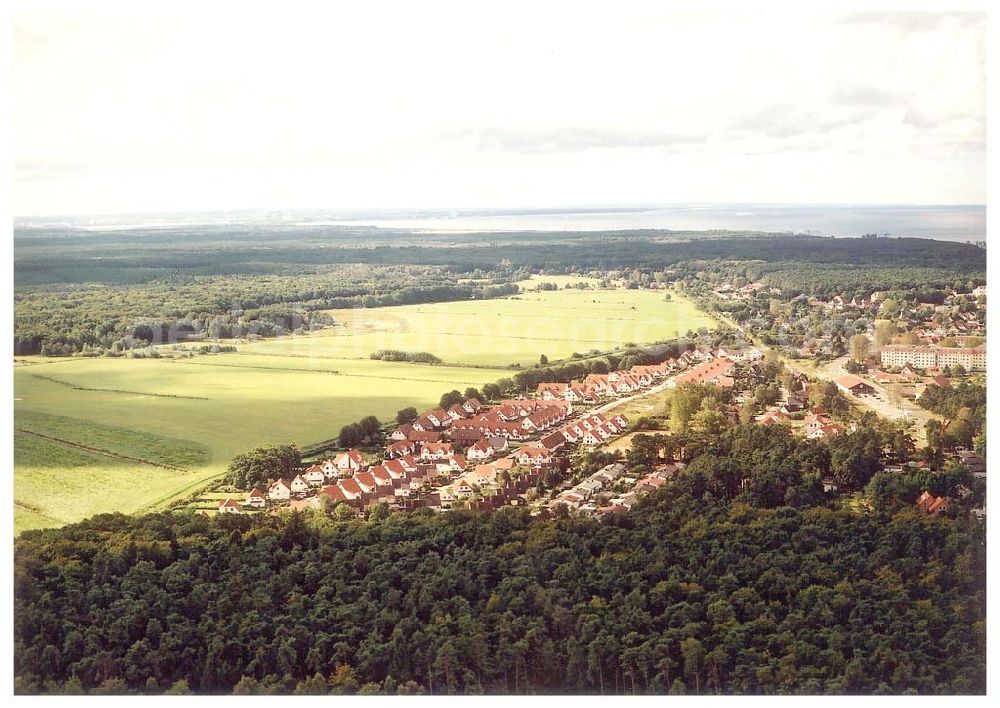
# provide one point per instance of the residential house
(553, 441)
(826, 431)
(436, 451)
(400, 448)
(551, 391)
(256, 499)
(333, 493)
(314, 475)
(462, 489)
(280, 490)
(229, 506)
(531, 455)
(299, 485)
(350, 461)
(366, 481)
(350, 489)
(482, 450)
(401, 433)
(931, 504)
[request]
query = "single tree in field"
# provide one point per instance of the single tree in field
(859, 348)
(543, 360)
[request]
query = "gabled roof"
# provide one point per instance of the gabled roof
(424, 436)
(533, 451)
(553, 440)
(350, 486)
(333, 492)
(365, 478)
(850, 381)
(436, 447)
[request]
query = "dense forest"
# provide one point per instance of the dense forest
(106, 292)
(739, 576)
(55, 321)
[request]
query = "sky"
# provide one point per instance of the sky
(180, 106)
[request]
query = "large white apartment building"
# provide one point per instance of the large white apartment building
(934, 357)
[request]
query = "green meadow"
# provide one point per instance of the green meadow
(99, 435)
(503, 332)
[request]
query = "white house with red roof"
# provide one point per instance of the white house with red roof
(399, 448)
(482, 450)
(350, 488)
(532, 455)
(350, 461)
(280, 490)
(229, 506)
(256, 498)
(332, 492)
(553, 441)
(436, 451)
(298, 485)
(365, 481)
(314, 475)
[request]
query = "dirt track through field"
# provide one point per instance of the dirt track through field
(100, 451)
(114, 390)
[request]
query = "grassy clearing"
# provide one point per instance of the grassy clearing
(513, 330)
(649, 404)
(198, 413)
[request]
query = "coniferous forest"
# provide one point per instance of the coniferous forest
(688, 593)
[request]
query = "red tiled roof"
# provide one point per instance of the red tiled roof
(333, 492)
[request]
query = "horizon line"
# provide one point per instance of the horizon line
(451, 209)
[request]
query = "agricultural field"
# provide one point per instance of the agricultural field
(59, 478)
(100, 435)
(212, 408)
(508, 331)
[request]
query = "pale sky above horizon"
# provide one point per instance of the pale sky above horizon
(183, 106)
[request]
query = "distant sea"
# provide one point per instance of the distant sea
(945, 223)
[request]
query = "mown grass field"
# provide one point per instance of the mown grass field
(163, 427)
(515, 330)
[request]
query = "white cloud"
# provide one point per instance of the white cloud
(123, 107)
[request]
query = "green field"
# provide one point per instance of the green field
(163, 427)
(514, 330)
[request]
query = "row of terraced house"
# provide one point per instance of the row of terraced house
(427, 461)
